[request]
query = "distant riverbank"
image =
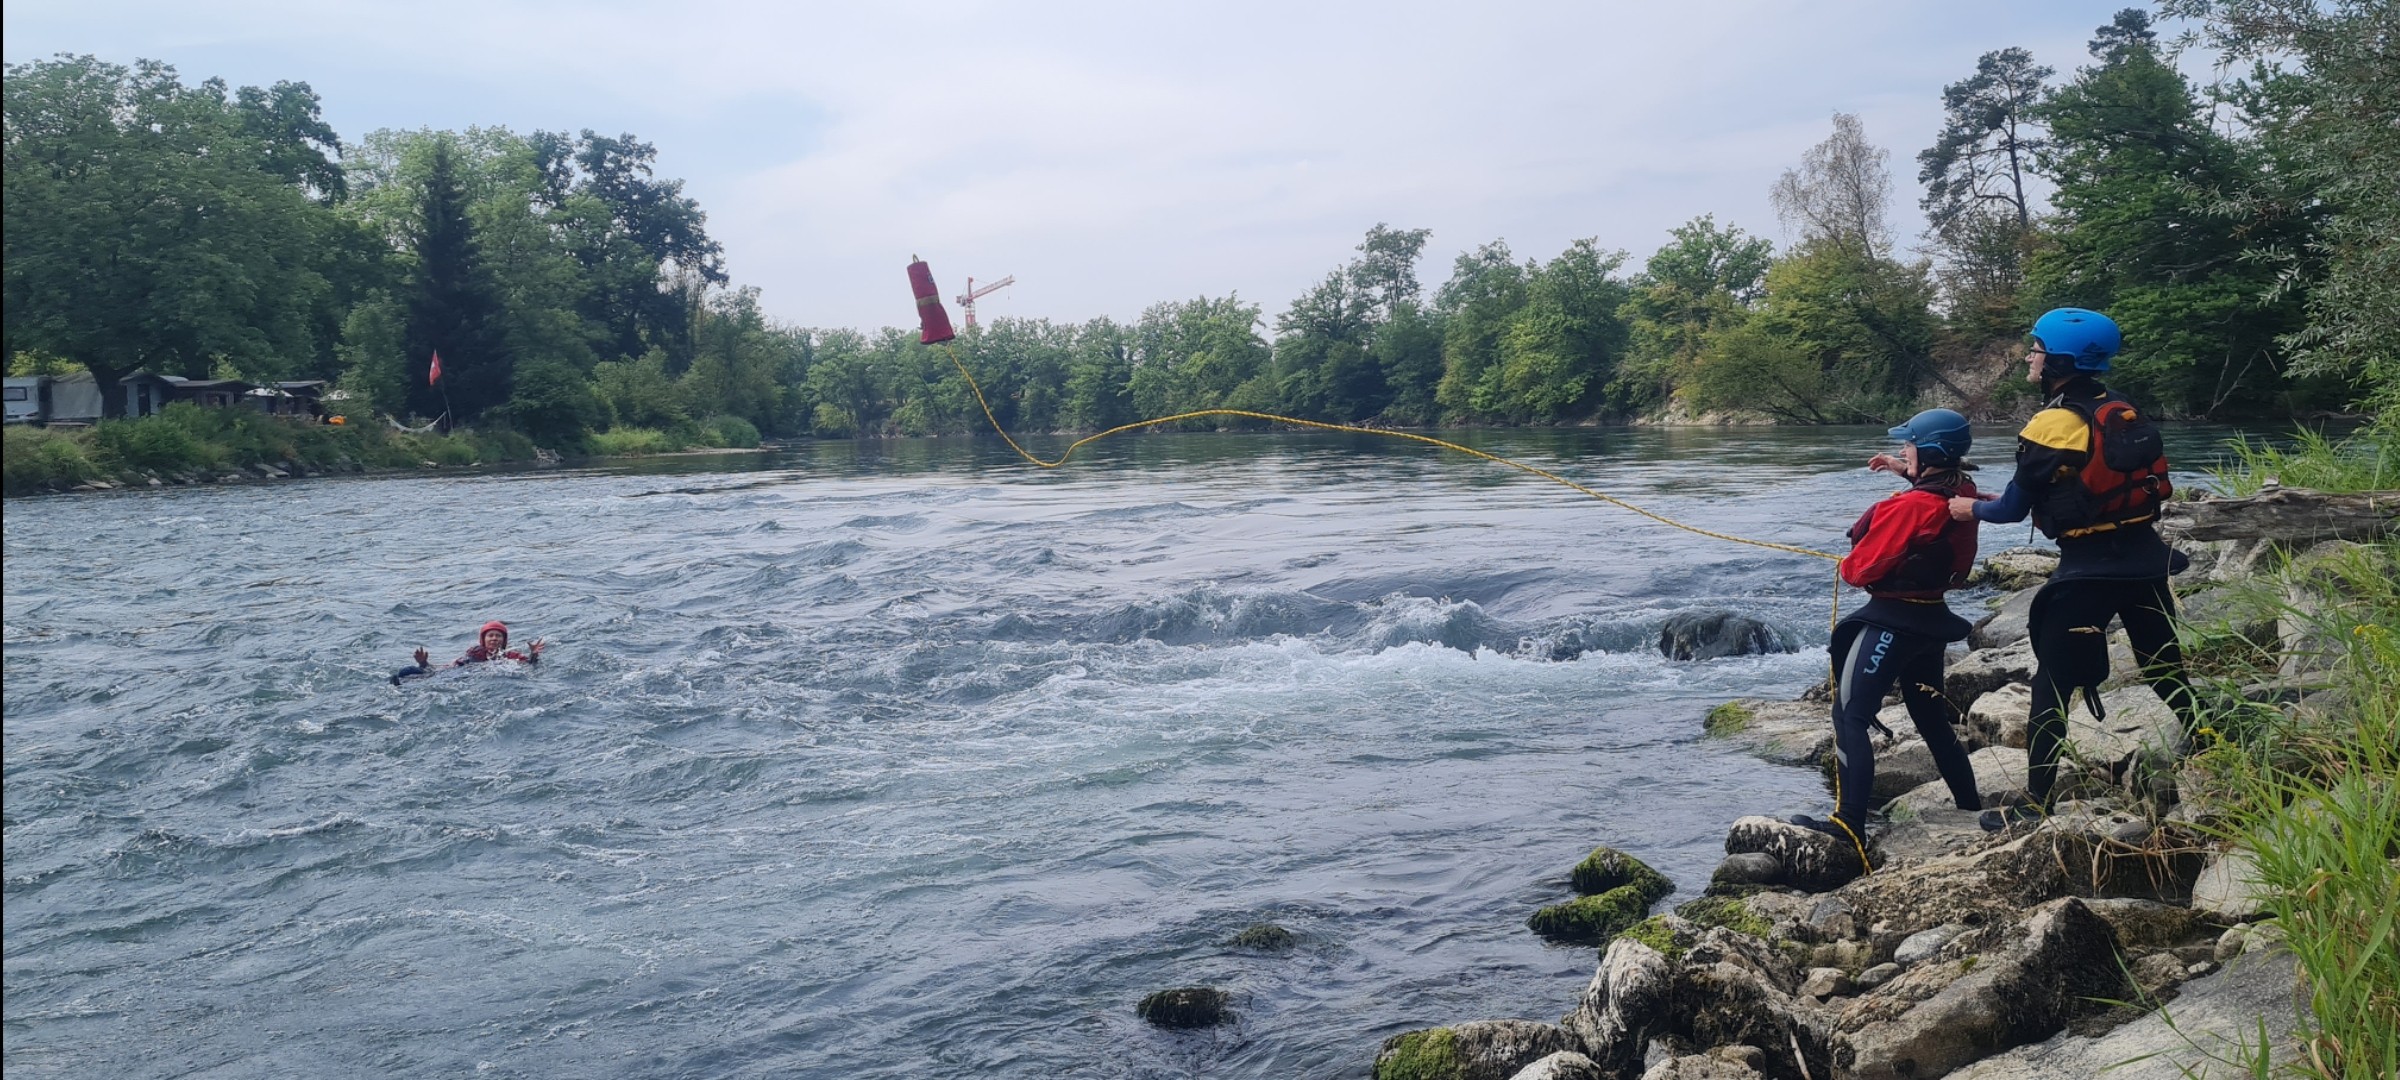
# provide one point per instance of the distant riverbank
(190, 445)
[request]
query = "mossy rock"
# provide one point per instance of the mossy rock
(1591, 920)
(1729, 912)
(1659, 935)
(1731, 718)
(1264, 937)
(1431, 1054)
(1607, 869)
(1187, 1007)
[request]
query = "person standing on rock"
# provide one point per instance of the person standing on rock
(1906, 552)
(2092, 472)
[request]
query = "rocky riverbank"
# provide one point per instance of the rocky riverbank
(2045, 951)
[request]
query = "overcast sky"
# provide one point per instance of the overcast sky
(1115, 155)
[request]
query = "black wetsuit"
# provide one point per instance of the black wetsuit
(1907, 553)
(2117, 574)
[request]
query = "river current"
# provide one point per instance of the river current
(874, 759)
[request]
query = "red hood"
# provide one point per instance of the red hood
(488, 627)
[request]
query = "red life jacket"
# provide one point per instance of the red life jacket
(2124, 475)
(1932, 563)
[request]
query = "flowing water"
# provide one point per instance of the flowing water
(873, 759)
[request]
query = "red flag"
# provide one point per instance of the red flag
(434, 374)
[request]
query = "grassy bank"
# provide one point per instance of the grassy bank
(188, 442)
(719, 433)
(2300, 756)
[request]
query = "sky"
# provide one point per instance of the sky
(1114, 155)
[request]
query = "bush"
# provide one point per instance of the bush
(162, 443)
(731, 431)
(623, 442)
(2368, 461)
(35, 459)
(2313, 795)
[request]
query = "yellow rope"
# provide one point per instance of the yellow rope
(1354, 429)
(1428, 440)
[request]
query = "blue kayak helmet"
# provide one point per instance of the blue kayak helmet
(2086, 337)
(1941, 437)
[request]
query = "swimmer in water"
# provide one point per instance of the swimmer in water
(491, 644)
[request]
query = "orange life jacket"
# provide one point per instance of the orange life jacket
(2124, 474)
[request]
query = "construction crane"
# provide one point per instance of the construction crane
(966, 300)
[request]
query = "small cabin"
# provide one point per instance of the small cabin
(73, 398)
(298, 398)
(146, 394)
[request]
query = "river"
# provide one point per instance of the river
(874, 759)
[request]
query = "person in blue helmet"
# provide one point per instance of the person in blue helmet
(2092, 473)
(1906, 551)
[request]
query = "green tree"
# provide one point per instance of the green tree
(1701, 282)
(1199, 354)
(2334, 134)
(454, 307)
(1322, 368)
(1839, 339)
(1564, 344)
(1977, 211)
(1485, 290)
(1099, 392)
(153, 225)
(2143, 231)
(1408, 347)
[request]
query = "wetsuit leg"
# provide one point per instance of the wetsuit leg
(2148, 608)
(1935, 717)
(2070, 650)
(1873, 664)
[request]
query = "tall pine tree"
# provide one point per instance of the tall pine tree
(454, 308)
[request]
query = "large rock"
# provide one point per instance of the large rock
(1619, 890)
(1478, 1050)
(2016, 568)
(1782, 732)
(2227, 889)
(1710, 635)
(2007, 623)
(1985, 670)
(1590, 920)
(1811, 860)
(2216, 1020)
(1903, 766)
(2149, 924)
(2078, 851)
(2001, 717)
(1947, 1012)
(1186, 1007)
(1563, 1065)
(1695, 987)
(1607, 868)
(1722, 1063)
(1629, 992)
(1999, 773)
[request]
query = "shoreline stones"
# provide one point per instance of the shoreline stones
(1477, 1050)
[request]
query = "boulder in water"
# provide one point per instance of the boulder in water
(1607, 868)
(1591, 920)
(1263, 937)
(1187, 1007)
(1708, 635)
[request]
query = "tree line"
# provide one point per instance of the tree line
(2239, 231)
